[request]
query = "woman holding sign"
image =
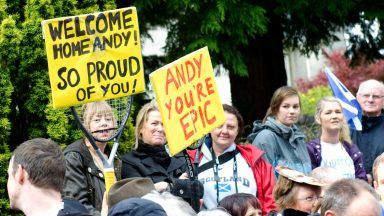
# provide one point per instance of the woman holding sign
(226, 168)
(84, 179)
(150, 158)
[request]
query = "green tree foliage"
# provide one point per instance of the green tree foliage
(31, 97)
(26, 108)
(310, 98)
(128, 138)
(31, 106)
(9, 43)
(227, 27)
(4, 202)
(194, 24)
(9, 53)
(248, 37)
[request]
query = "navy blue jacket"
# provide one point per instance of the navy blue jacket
(370, 140)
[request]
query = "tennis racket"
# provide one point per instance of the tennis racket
(104, 121)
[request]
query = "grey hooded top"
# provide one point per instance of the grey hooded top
(282, 145)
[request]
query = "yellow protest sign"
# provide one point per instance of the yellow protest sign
(94, 57)
(188, 99)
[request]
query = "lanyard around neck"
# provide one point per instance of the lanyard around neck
(216, 172)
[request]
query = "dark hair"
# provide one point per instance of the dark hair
(44, 162)
(278, 97)
(232, 110)
(237, 204)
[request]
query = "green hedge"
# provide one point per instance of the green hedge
(311, 97)
(24, 85)
(4, 202)
(308, 102)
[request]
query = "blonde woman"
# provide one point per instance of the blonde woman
(334, 148)
(150, 158)
(84, 179)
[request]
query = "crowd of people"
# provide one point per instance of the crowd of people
(341, 172)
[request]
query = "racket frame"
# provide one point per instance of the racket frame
(107, 162)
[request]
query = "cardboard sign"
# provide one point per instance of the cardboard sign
(188, 99)
(94, 57)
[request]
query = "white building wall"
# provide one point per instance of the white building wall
(298, 65)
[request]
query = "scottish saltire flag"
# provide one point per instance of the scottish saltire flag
(224, 187)
(351, 108)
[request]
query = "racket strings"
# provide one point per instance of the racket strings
(103, 119)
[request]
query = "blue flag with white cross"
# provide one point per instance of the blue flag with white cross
(351, 108)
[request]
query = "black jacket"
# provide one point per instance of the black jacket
(84, 181)
(370, 139)
(139, 164)
(73, 208)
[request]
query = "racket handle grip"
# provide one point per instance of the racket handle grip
(109, 177)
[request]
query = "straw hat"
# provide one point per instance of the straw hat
(297, 176)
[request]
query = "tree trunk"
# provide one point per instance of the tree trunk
(266, 72)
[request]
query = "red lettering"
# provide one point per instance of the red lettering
(199, 90)
(179, 106)
(191, 102)
(170, 79)
(193, 115)
(198, 64)
(211, 120)
(169, 106)
(185, 126)
(180, 75)
(209, 86)
(190, 76)
(202, 117)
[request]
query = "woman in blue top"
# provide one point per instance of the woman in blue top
(278, 136)
(334, 148)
